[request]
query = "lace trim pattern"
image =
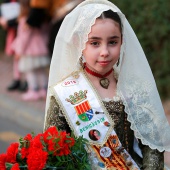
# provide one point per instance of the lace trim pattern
(144, 118)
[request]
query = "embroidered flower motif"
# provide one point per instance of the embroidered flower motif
(143, 116)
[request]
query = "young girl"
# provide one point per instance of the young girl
(30, 48)
(100, 80)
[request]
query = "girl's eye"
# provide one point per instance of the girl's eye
(94, 43)
(113, 42)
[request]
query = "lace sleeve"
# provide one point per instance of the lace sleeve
(152, 158)
(55, 117)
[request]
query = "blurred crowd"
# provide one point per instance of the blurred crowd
(31, 30)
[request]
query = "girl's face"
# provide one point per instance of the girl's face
(103, 46)
(96, 134)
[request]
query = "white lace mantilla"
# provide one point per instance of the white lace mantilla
(147, 123)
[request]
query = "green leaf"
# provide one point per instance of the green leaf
(8, 165)
(58, 158)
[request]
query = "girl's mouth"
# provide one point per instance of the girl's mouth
(103, 63)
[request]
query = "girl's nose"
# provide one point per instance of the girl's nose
(104, 51)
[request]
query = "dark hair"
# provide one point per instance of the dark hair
(111, 15)
(91, 134)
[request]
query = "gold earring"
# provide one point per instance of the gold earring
(81, 61)
(117, 64)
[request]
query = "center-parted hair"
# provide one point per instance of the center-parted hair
(111, 15)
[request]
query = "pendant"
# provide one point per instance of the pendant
(104, 82)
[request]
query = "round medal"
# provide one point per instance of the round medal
(105, 152)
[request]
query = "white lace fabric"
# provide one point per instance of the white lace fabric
(136, 85)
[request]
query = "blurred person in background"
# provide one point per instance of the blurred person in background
(58, 13)
(30, 47)
(55, 10)
(10, 25)
(39, 12)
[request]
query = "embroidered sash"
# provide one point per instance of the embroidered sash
(87, 117)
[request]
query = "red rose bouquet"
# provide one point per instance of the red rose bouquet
(50, 150)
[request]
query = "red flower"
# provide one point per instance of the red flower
(25, 146)
(51, 138)
(33, 143)
(36, 150)
(50, 132)
(58, 142)
(2, 161)
(72, 142)
(24, 152)
(12, 151)
(37, 141)
(67, 139)
(65, 143)
(36, 159)
(15, 167)
(28, 137)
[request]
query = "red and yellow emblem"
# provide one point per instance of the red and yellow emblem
(84, 111)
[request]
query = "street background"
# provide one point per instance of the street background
(17, 118)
